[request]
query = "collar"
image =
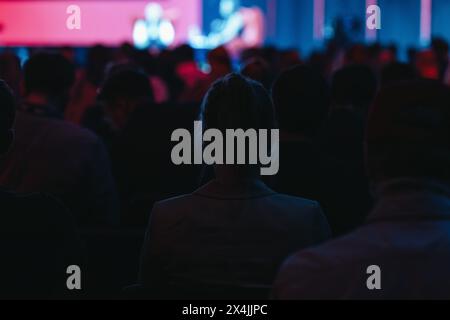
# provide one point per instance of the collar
(411, 199)
(236, 190)
(42, 110)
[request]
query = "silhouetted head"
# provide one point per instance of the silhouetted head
(220, 61)
(7, 116)
(98, 58)
(353, 87)
(10, 71)
(237, 102)
(123, 90)
(408, 133)
(259, 70)
(184, 53)
(396, 72)
(301, 99)
(50, 76)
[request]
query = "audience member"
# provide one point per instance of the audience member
(301, 98)
(344, 192)
(406, 235)
(234, 231)
(10, 72)
(38, 240)
(220, 65)
(53, 156)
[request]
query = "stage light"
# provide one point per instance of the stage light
(153, 12)
(166, 33)
(140, 34)
(425, 21)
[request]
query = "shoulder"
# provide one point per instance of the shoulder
(296, 207)
(34, 209)
(55, 129)
(324, 271)
(173, 206)
(296, 201)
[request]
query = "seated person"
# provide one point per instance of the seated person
(301, 99)
(53, 156)
(403, 250)
(344, 187)
(234, 231)
(38, 240)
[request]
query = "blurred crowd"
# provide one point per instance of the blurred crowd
(95, 137)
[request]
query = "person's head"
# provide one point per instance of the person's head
(10, 71)
(427, 64)
(353, 87)
(97, 59)
(124, 89)
(396, 72)
(184, 53)
(50, 76)
(259, 70)
(228, 7)
(7, 116)
(408, 132)
(301, 99)
(236, 102)
(220, 61)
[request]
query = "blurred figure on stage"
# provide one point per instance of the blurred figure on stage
(238, 29)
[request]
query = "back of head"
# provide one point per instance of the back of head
(396, 72)
(184, 53)
(10, 70)
(301, 99)
(124, 89)
(353, 86)
(259, 70)
(236, 102)
(7, 116)
(125, 82)
(49, 74)
(408, 133)
(220, 59)
(98, 58)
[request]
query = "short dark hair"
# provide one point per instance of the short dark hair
(126, 82)
(48, 73)
(354, 85)
(7, 107)
(396, 72)
(301, 98)
(237, 102)
(408, 132)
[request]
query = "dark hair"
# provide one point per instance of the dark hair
(10, 70)
(259, 70)
(49, 73)
(301, 99)
(128, 83)
(236, 102)
(408, 132)
(354, 85)
(396, 72)
(7, 107)
(220, 56)
(98, 58)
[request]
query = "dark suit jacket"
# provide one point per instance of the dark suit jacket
(38, 241)
(56, 157)
(227, 234)
(406, 235)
